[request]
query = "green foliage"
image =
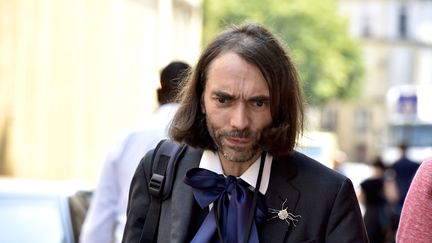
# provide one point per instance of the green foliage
(315, 35)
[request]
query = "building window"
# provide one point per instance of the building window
(366, 28)
(361, 121)
(329, 121)
(360, 152)
(402, 28)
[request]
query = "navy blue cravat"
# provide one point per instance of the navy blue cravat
(233, 203)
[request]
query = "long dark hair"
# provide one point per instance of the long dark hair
(260, 47)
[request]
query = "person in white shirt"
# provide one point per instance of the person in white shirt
(106, 218)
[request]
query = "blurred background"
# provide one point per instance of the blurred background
(75, 73)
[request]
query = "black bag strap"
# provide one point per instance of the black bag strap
(164, 163)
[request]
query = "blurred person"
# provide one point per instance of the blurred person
(416, 218)
(403, 171)
(106, 217)
(373, 196)
(245, 112)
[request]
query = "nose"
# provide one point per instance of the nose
(240, 117)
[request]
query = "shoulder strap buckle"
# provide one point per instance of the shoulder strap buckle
(156, 184)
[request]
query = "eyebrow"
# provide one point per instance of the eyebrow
(225, 95)
(260, 98)
(222, 94)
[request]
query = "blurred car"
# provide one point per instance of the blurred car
(356, 171)
(41, 210)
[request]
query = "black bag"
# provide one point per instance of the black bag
(164, 164)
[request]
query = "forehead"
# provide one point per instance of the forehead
(231, 73)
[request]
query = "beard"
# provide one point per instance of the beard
(235, 153)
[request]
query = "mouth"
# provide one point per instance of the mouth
(238, 142)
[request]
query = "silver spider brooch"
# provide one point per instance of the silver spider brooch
(284, 215)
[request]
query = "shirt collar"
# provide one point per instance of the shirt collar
(210, 161)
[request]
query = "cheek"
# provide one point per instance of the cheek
(215, 118)
(264, 121)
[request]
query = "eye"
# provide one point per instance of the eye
(259, 103)
(221, 100)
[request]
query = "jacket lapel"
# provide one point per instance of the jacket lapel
(281, 194)
(176, 213)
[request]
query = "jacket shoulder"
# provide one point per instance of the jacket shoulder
(304, 166)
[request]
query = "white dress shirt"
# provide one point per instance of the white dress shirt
(210, 161)
(106, 217)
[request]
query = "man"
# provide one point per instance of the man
(106, 218)
(372, 194)
(240, 114)
(403, 171)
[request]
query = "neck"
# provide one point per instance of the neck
(231, 168)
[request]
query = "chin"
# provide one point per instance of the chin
(238, 157)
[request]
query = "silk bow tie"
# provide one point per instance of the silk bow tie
(232, 201)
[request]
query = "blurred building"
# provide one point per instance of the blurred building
(74, 73)
(396, 40)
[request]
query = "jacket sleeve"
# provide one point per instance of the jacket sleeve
(139, 201)
(416, 220)
(346, 221)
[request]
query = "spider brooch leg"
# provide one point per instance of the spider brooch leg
(284, 215)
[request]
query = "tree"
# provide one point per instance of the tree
(314, 33)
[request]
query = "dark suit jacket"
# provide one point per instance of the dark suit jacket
(324, 199)
(405, 170)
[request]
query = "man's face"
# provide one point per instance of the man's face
(237, 107)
